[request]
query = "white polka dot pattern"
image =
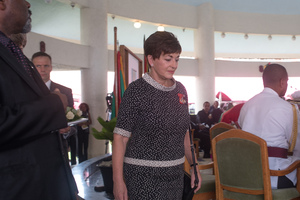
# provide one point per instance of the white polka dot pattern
(157, 118)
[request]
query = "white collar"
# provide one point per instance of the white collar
(48, 83)
(158, 86)
(271, 91)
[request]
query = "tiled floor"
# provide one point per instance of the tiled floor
(88, 176)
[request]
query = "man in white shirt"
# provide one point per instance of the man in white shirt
(270, 117)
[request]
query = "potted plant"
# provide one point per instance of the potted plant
(107, 129)
(105, 166)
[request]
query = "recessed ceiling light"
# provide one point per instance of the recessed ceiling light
(160, 28)
(137, 25)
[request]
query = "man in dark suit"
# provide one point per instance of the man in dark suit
(216, 112)
(204, 121)
(43, 63)
(31, 119)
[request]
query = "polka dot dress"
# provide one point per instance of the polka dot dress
(156, 119)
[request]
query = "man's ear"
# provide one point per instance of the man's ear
(282, 83)
(3, 4)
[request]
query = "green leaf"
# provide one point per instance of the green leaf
(68, 109)
(108, 125)
(107, 129)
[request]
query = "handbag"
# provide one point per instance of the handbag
(188, 192)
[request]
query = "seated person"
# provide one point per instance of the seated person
(216, 113)
(270, 117)
(204, 121)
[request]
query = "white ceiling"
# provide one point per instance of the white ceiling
(55, 19)
(62, 21)
(284, 7)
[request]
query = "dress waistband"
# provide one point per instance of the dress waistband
(154, 163)
(277, 152)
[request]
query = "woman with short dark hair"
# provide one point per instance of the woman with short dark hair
(151, 137)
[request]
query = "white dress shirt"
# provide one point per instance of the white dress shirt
(48, 83)
(271, 118)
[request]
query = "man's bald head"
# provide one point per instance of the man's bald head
(275, 77)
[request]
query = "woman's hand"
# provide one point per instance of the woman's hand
(188, 155)
(193, 179)
(120, 191)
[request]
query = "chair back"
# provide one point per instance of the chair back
(219, 128)
(241, 166)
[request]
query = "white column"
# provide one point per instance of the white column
(205, 51)
(94, 78)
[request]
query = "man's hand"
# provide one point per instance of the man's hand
(65, 130)
(201, 126)
(62, 97)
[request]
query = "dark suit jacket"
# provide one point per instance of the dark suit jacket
(65, 90)
(216, 114)
(32, 164)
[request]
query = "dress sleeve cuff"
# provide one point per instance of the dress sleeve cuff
(122, 132)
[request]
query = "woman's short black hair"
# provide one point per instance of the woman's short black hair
(161, 42)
